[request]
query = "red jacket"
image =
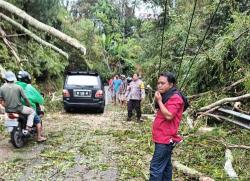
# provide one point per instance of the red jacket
(166, 131)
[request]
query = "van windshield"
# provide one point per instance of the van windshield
(82, 81)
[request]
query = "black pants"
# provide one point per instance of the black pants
(134, 104)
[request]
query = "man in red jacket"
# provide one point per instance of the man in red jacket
(165, 127)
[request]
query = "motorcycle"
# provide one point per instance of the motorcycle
(16, 124)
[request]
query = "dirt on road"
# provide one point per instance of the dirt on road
(80, 146)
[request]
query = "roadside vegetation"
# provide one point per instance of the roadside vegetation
(119, 42)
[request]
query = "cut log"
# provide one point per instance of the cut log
(223, 101)
(228, 167)
(34, 36)
(190, 171)
(7, 43)
(41, 26)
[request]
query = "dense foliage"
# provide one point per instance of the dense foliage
(118, 41)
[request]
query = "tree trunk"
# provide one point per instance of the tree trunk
(38, 39)
(223, 101)
(190, 171)
(41, 26)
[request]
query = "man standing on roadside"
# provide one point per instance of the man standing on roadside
(136, 93)
(170, 105)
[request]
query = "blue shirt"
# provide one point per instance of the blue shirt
(117, 84)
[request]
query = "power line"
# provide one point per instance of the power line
(203, 40)
(190, 24)
(162, 36)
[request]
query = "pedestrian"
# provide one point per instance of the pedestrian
(116, 83)
(170, 106)
(122, 91)
(111, 89)
(135, 93)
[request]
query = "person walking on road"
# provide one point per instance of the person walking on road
(116, 83)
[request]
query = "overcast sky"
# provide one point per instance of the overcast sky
(142, 9)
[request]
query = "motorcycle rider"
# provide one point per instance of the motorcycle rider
(10, 97)
(34, 97)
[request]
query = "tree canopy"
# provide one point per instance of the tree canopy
(118, 41)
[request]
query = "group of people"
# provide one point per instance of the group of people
(17, 95)
(170, 105)
(130, 91)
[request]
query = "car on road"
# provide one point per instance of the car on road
(83, 90)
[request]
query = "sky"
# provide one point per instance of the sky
(142, 10)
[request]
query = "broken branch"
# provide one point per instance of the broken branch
(41, 26)
(190, 171)
(34, 36)
(223, 101)
(7, 43)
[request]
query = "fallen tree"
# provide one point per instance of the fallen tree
(191, 172)
(228, 88)
(223, 101)
(34, 36)
(7, 43)
(41, 26)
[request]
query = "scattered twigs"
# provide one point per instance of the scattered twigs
(190, 171)
(223, 101)
(214, 116)
(208, 111)
(243, 33)
(7, 43)
(15, 35)
(235, 83)
(56, 172)
(198, 95)
(238, 146)
(228, 145)
(55, 98)
(237, 106)
(228, 167)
